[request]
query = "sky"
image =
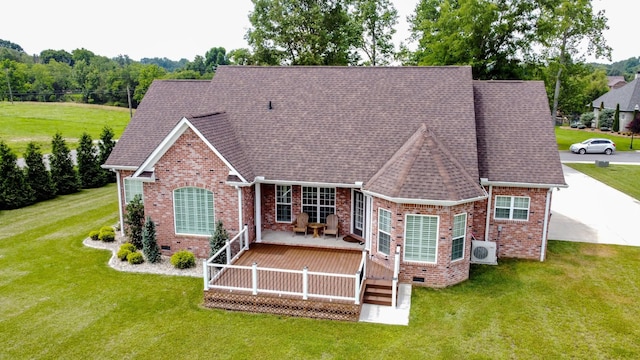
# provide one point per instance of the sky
(184, 29)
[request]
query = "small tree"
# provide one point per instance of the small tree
(217, 241)
(63, 174)
(106, 145)
(91, 175)
(15, 191)
(38, 177)
(134, 219)
(587, 119)
(634, 126)
(149, 243)
(616, 119)
(605, 119)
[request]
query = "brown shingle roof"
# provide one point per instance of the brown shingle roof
(516, 140)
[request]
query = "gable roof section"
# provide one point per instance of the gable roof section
(628, 96)
(424, 165)
(516, 140)
(164, 105)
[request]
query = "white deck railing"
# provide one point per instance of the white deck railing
(263, 280)
(394, 283)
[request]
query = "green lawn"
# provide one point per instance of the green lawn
(60, 300)
(567, 136)
(22, 122)
(621, 177)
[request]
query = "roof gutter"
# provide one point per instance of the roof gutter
(262, 180)
(116, 167)
(426, 201)
(487, 182)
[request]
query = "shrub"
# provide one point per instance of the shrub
(107, 234)
(183, 259)
(135, 258)
(149, 244)
(128, 246)
(123, 254)
(94, 235)
(587, 119)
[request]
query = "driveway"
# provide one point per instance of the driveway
(590, 211)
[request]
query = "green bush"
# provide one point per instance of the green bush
(128, 246)
(107, 234)
(94, 235)
(135, 258)
(183, 259)
(123, 254)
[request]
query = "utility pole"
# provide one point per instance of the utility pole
(9, 84)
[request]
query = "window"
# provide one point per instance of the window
(458, 236)
(131, 189)
(421, 238)
(193, 209)
(512, 208)
(384, 231)
(283, 203)
(318, 202)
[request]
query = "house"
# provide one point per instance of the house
(627, 96)
(422, 165)
(615, 82)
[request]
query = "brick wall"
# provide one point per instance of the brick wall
(518, 239)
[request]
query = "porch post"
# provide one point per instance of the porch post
(120, 210)
(305, 283)
(254, 278)
(258, 212)
(396, 271)
(228, 251)
(357, 287)
(246, 237)
(205, 274)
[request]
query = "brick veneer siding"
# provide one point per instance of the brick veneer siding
(189, 163)
(249, 210)
(518, 239)
(268, 206)
(443, 273)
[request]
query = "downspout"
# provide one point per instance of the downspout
(545, 226)
(239, 208)
(486, 226)
(121, 213)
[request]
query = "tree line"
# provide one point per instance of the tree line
(35, 182)
(500, 39)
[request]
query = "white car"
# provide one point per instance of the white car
(594, 146)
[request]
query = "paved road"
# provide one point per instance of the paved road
(22, 164)
(623, 157)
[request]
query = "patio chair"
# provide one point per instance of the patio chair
(300, 225)
(332, 225)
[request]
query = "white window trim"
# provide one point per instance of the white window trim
(290, 203)
(380, 210)
(464, 236)
(511, 207)
(129, 180)
(175, 225)
(317, 205)
(404, 248)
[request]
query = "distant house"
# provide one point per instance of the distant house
(627, 96)
(615, 82)
(422, 165)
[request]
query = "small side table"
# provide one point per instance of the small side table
(315, 227)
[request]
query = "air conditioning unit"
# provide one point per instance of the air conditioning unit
(483, 252)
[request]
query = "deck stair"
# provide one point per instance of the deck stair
(378, 292)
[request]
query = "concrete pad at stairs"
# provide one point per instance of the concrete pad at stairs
(386, 314)
(590, 211)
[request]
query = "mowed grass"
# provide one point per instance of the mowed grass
(22, 122)
(567, 136)
(625, 178)
(60, 300)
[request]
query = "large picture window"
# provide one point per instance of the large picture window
(421, 238)
(318, 202)
(193, 209)
(283, 203)
(459, 234)
(384, 231)
(131, 189)
(512, 208)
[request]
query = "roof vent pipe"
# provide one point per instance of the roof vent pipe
(270, 106)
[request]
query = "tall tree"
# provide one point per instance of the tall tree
(563, 26)
(214, 57)
(376, 20)
(149, 243)
(91, 175)
(616, 119)
(302, 32)
(37, 174)
(105, 146)
(15, 191)
(134, 221)
(64, 175)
